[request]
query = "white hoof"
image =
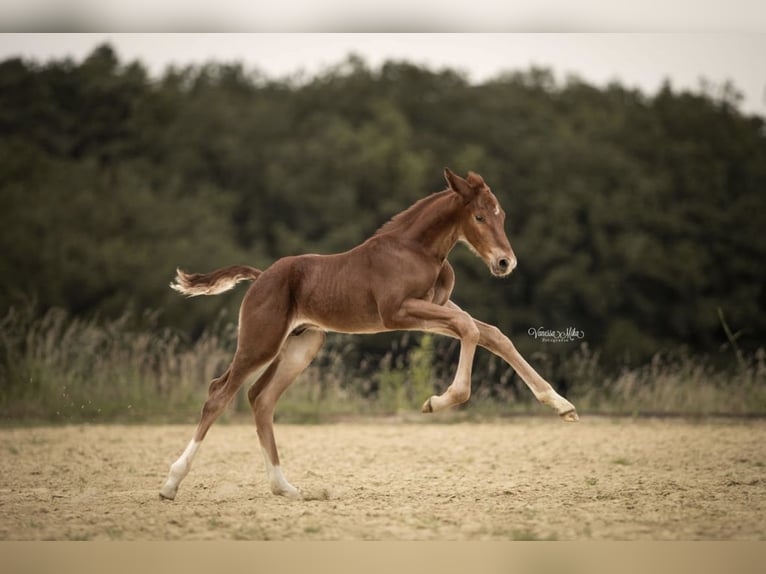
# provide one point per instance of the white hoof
(178, 470)
(570, 417)
(287, 490)
(278, 482)
(167, 492)
(563, 407)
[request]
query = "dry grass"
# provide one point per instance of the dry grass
(60, 368)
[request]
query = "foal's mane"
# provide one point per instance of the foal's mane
(406, 217)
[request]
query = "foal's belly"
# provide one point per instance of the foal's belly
(344, 292)
(345, 313)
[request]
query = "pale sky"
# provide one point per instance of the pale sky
(635, 60)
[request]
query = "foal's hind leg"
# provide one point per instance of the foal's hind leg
(221, 391)
(297, 352)
(180, 468)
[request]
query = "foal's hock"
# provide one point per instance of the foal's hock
(398, 279)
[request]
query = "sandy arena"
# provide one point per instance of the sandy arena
(521, 479)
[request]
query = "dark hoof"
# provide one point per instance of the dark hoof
(427, 408)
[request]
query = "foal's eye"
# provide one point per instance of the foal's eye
(479, 218)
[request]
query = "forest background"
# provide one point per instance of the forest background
(638, 221)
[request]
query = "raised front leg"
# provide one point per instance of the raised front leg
(493, 339)
(416, 314)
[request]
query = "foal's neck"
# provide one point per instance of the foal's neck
(436, 228)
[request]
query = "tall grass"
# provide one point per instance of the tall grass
(672, 383)
(57, 367)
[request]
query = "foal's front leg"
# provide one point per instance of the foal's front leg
(493, 339)
(420, 315)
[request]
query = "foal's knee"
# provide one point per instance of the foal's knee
(467, 329)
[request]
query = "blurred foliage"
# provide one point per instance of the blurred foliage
(64, 369)
(634, 217)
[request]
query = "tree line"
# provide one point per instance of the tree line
(638, 220)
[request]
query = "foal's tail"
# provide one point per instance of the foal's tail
(215, 282)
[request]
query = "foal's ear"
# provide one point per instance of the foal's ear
(459, 185)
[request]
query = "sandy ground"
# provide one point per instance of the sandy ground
(526, 478)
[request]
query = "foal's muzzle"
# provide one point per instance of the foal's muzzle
(502, 265)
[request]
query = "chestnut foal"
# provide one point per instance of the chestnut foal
(399, 279)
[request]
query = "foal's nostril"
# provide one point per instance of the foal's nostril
(503, 263)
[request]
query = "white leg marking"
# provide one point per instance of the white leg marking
(178, 470)
(277, 480)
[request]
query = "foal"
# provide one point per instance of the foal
(399, 279)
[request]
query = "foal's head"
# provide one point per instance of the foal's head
(482, 222)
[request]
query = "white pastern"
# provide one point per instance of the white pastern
(277, 480)
(179, 469)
